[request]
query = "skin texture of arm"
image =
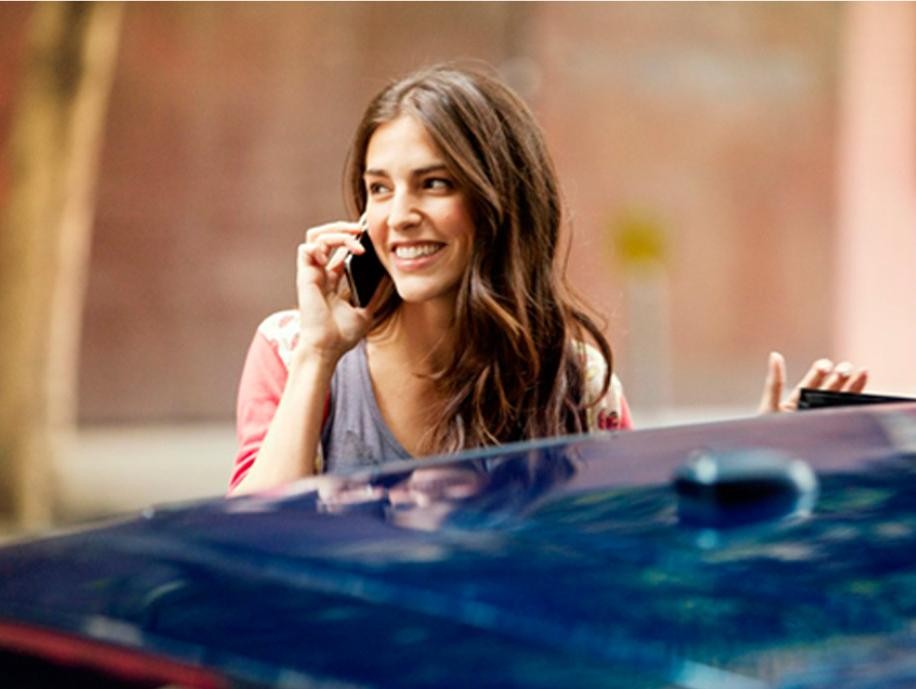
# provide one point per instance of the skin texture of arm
(290, 448)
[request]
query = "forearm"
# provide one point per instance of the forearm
(290, 448)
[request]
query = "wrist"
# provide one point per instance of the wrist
(317, 360)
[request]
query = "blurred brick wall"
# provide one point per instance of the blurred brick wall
(717, 122)
(229, 123)
(228, 129)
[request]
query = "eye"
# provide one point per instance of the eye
(376, 188)
(438, 183)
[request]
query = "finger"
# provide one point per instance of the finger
(315, 255)
(775, 381)
(348, 228)
(338, 239)
(837, 380)
(337, 265)
(857, 381)
(311, 267)
(310, 256)
(815, 376)
(337, 226)
(337, 260)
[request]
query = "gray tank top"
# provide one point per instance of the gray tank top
(355, 434)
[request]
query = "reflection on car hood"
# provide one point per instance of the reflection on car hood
(548, 564)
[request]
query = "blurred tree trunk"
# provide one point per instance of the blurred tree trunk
(54, 146)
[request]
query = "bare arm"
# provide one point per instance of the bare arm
(329, 326)
(290, 448)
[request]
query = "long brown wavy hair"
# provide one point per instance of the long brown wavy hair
(518, 371)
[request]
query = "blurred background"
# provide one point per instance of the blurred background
(739, 178)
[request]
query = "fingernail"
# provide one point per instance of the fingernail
(823, 365)
(843, 369)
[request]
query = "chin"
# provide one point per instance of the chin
(412, 293)
(415, 296)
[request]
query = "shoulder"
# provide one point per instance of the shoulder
(268, 359)
(607, 410)
(595, 370)
(281, 330)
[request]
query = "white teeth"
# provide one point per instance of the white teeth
(416, 250)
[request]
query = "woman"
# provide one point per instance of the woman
(473, 340)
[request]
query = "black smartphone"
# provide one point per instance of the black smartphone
(815, 399)
(364, 272)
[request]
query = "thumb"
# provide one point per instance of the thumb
(775, 382)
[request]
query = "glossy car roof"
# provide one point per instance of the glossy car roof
(569, 562)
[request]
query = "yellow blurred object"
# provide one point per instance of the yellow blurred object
(637, 239)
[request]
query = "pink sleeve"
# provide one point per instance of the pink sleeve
(262, 383)
(626, 421)
(613, 414)
(610, 411)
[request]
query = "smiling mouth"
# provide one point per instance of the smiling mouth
(409, 251)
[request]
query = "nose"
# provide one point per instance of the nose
(403, 213)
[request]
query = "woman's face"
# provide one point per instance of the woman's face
(420, 220)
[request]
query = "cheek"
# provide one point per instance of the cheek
(460, 223)
(377, 233)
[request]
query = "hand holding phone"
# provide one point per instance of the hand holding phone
(364, 271)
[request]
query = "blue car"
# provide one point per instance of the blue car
(777, 551)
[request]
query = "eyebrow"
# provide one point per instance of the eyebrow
(419, 172)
